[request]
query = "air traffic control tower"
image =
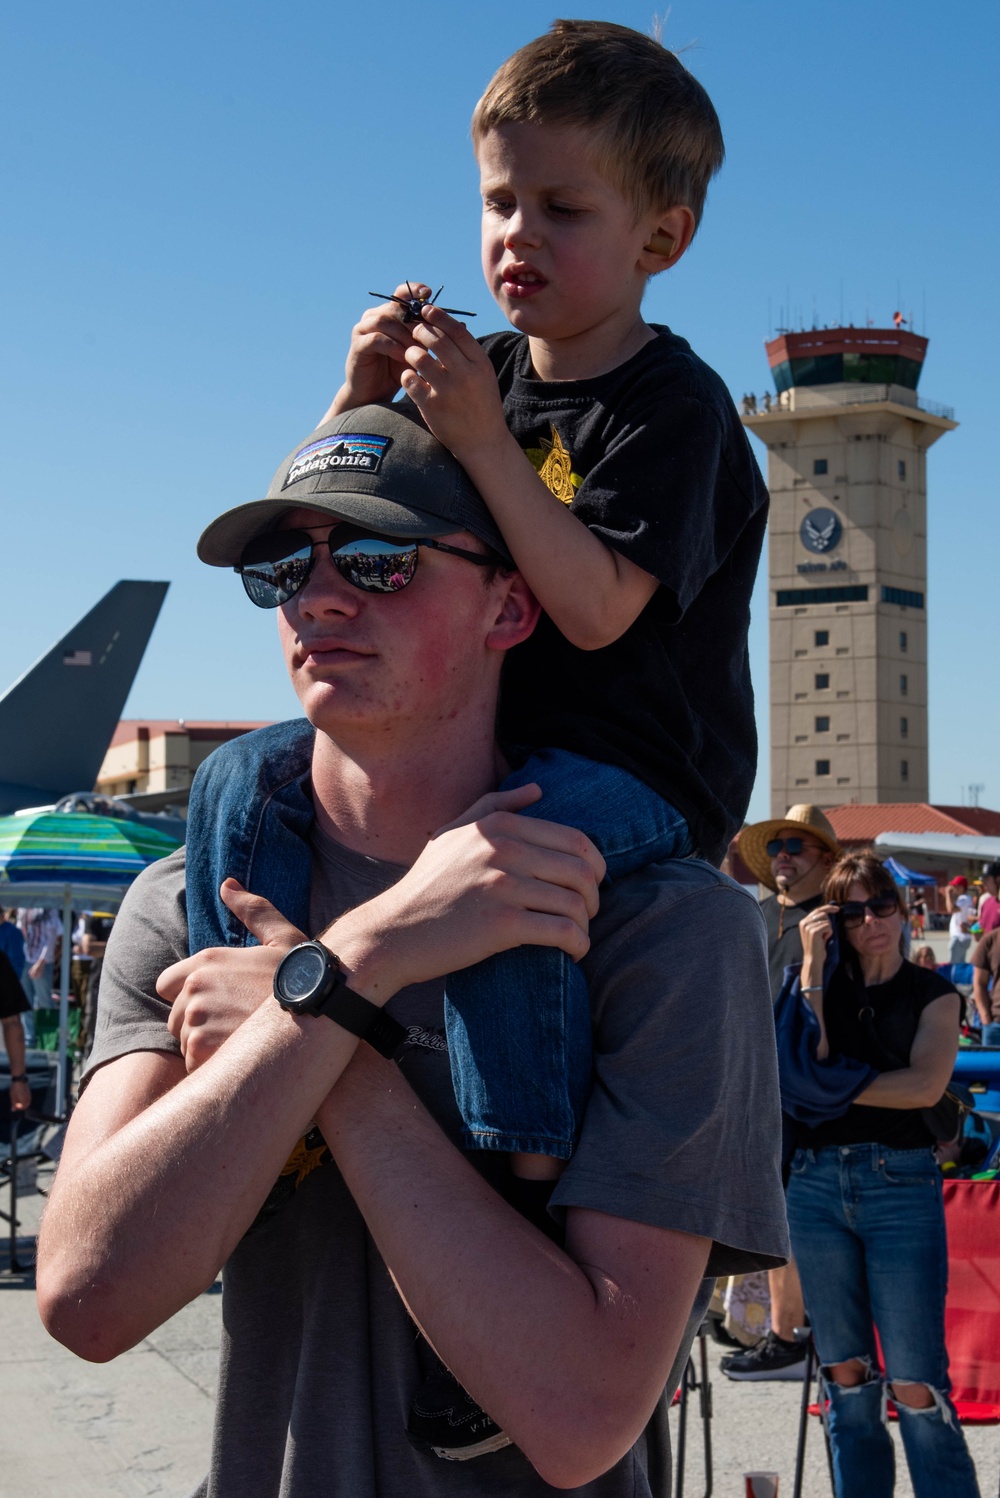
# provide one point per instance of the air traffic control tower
(847, 438)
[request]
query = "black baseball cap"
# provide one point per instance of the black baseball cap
(376, 466)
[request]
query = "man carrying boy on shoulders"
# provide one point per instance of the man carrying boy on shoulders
(201, 1084)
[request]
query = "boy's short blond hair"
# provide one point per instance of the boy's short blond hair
(656, 134)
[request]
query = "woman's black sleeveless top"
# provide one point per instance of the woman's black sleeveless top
(896, 1009)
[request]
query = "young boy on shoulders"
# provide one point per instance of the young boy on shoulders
(615, 465)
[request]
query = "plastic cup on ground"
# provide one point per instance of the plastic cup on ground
(761, 1484)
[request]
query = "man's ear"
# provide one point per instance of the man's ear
(517, 612)
(670, 233)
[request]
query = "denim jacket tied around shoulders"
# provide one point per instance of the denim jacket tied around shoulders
(249, 818)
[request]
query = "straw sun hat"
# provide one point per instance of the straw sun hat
(752, 841)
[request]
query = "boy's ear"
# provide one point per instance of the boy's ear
(671, 232)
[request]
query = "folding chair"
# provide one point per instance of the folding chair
(978, 1068)
(21, 1134)
(809, 1407)
(971, 1314)
(690, 1385)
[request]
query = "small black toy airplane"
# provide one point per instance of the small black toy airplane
(413, 306)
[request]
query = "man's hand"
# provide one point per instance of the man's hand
(451, 381)
(377, 355)
(213, 992)
(37, 968)
(490, 881)
(20, 1096)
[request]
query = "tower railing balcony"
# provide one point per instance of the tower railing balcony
(813, 397)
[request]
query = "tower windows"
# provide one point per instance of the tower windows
(821, 637)
(904, 727)
(904, 769)
(820, 465)
(822, 681)
(907, 598)
(822, 725)
(788, 598)
(904, 684)
(822, 768)
(903, 643)
(901, 468)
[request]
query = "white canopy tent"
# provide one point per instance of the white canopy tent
(944, 844)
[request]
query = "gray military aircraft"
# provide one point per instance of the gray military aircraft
(57, 720)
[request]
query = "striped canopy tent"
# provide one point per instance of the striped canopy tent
(69, 860)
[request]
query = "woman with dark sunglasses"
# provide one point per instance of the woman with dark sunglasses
(864, 1197)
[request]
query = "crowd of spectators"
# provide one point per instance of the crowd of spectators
(838, 931)
(30, 954)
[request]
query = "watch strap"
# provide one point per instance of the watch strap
(363, 1019)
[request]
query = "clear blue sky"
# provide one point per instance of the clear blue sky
(197, 197)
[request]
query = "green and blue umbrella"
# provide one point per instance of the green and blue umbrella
(97, 856)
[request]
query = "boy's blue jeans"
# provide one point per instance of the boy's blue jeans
(868, 1234)
(518, 1024)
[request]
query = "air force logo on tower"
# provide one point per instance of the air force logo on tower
(353, 450)
(820, 531)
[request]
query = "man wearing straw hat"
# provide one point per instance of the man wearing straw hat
(791, 855)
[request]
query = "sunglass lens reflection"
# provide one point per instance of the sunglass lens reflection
(376, 566)
(275, 567)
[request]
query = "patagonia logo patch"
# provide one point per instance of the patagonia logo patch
(355, 450)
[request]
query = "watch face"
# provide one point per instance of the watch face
(302, 974)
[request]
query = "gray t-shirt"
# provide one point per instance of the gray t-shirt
(787, 948)
(319, 1359)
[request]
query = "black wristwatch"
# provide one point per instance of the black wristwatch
(308, 980)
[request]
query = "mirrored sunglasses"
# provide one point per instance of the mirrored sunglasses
(276, 566)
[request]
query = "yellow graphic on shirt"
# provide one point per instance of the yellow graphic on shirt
(554, 466)
(306, 1157)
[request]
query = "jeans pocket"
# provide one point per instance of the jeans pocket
(799, 1162)
(908, 1167)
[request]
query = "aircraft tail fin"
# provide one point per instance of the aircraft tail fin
(57, 720)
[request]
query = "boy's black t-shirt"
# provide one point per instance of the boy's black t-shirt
(653, 458)
(896, 1009)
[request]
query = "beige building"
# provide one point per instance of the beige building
(160, 755)
(847, 438)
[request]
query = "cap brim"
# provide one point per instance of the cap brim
(221, 543)
(752, 845)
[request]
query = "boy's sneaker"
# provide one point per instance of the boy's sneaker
(772, 1358)
(446, 1420)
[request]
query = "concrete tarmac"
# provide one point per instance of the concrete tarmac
(141, 1426)
(136, 1427)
